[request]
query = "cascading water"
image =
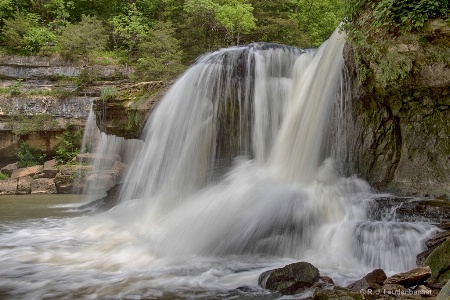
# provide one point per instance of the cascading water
(233, 179)
(106, 150)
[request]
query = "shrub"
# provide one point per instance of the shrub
(79, 40)
(109, 94)
(28, 156)
(24, 33)
(3, 176)
(68, 145)
(160, 54)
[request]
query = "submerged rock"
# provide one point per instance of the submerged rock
(291, 279)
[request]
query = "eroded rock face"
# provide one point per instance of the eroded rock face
(291, 279)
(401, 132)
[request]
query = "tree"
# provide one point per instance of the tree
(318, 18)
(23, 33)
(129, 29)
(59, 13)
(160, 54)
(237, 17)
(79, 40)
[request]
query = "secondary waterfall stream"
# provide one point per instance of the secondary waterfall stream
(236, 176)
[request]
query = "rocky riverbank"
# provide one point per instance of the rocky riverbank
(50, 178)
(304, 278)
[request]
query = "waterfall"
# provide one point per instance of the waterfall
(236, 162)
(240, 171)
(105, 155)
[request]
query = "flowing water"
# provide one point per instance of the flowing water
(237, 175)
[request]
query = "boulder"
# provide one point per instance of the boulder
(24, 185)
(99, 183)
(374, 280)
(411, 278)
(50, 170)
(9, 169)
(43, 186)
(439, 262)
(291, 279)
(30, 171)
(70, 179)
(8, 187)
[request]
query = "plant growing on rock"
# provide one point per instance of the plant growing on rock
(109, 94)
(68, 145)
(28, 156)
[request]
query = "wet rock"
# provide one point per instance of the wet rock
(438, 239)
(8, 187)
(374, 280)
(43, 186)
(9, 169)
(98, 183)
(291, 279)
(70, 179)
(337, 293)
(110, 200)
(22, 172)
(102, 159)
(432, 244)
(24, 185)
(411, 278)
(408, 209)
(439, 262)
(327, 280)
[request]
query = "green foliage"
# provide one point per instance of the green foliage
(86, 76)
(274, 23)
(58, 11)
(68, 145)
(23, 33)
(377, 28)
(129, 29)
(393, 68)
(160, 54)
(14, 89)
(237, 17)
(391, 16)
(24, 124)
(109, 94)
(80, 40)
(6, 9)
(318, 19)
(28, 156)
(4, 176)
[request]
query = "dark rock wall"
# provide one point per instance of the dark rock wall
(401, 133)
